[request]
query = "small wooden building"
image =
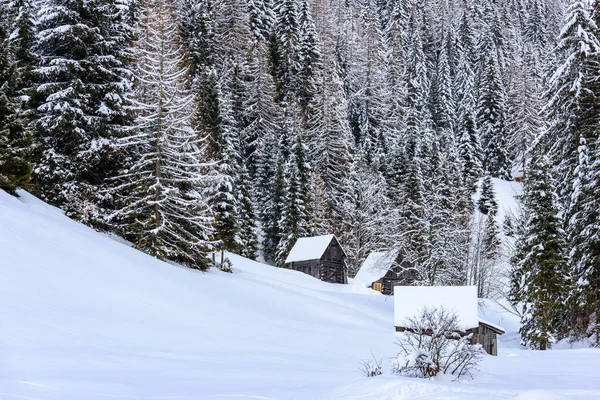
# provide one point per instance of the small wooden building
(320, 256)
(410, 301)
(486, 334)
(382, 270)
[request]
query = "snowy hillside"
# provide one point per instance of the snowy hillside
(83, 316)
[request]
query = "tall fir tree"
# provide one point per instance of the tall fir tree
(539, 275)
(163, 189)
(491, 119)
(82, 81)
(15, 136)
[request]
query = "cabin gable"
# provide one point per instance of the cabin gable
(330, 267)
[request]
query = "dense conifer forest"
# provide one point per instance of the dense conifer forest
(186, 126)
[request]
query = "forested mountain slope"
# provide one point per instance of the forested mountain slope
(190, 125)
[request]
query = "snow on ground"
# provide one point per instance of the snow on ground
(83, 316)
(506, 195)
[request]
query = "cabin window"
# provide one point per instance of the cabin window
(377, 286)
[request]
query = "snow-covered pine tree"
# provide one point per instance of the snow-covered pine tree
(15, 136)
(487, 203)
(333, 142)
(224, 147)
(274, 193)
(261, 113)
(309, 56)
(444, 101)
(573, 108)
(262, 18)
(524, 123)
(296, 208)
(365, 209)
(464, 87)
(248, 240)
(491, 117)
(539, 275)
(285, 51)
(163, 188)
(82, 81)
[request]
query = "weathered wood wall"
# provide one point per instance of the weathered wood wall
(396, 276)
(330, 268)
(487, 338)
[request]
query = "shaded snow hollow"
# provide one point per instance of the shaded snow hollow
(84, 317)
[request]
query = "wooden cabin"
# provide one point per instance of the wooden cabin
(410, 301)
(382, 270)
(486, 334)
(320, 256)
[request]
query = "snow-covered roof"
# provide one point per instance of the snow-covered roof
(375, 267)
(410, 301)
(492, 325)
(309, 248)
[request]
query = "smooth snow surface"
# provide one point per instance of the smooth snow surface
(410, 301)
(84, 317)
(375, 266)
(309, 248)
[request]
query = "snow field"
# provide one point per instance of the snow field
(83, 316)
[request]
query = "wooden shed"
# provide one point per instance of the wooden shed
(409, 301)
(320, 256)
(382, 270)
(486, 334)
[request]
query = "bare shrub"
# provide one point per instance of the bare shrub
(370, 367)
(432, 344)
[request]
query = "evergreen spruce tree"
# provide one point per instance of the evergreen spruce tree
(538, 276)
(491, 119)
(365, 207)
(224, 147)
(248, 240)
(82, 82)
(15, 137)
(295, 211)
(164, 186)
(274, 195)
(487, 203)
(573, 109)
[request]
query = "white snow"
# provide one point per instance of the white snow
(375, 266)
(506, 196)
(410, 301)
(309, 248)
(84, 317)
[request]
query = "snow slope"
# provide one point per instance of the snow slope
(83, 316)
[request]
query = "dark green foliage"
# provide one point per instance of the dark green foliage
(539, 277)
(81, 85)
(15, 137)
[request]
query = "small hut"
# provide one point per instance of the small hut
(320, 256)
(410, 301)
(381, 271)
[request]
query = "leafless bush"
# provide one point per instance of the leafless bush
(370, 367)
(432, 344)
